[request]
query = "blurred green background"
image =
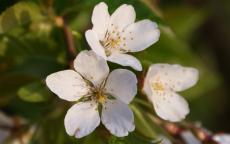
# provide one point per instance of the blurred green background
(194, 33)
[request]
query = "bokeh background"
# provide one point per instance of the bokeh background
(33, 44)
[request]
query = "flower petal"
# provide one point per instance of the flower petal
(123, 16)
(189, 137)
(152, 72)
(67, 85)
(94, 43)
(81, 119)
(4, 134)
(175, 76)
(100, 19)
(222, 138)
(126, 60)
(91, 66)
(169, 105)
(141, 35)
(122, 84)
(6, 120)
(117, 118)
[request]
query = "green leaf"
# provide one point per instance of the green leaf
(93, 138)
(143, 125)
(3, 46)
(34, 92)
(132, 138)
(19, 14)
(9, 84)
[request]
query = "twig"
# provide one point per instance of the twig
(175, 130)
(70, 48)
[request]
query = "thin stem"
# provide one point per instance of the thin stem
(142, 102)
(71, 51)
(175, 129)
(152, 4)
(70, 48)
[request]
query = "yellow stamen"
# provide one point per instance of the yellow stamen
(158, 86)
(114, 42)
(101, 98)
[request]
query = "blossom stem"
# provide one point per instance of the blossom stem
(70, 48)
(71, 51)
(176, 129)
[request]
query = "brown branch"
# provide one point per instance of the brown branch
(70, 48)
(175, 130)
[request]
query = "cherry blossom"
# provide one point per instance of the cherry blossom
(89, 86)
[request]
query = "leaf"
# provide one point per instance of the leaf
(34, 92)
(143, 125)
(93, 138)
(3, 46)
(9, 84)
(132, 138)
(19, 14)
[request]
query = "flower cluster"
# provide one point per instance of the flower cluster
(103, 96)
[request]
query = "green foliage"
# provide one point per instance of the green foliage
(32, 47)
(34, 92)
(18, 14)
(130, 139)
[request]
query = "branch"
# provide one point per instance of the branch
(70, 48)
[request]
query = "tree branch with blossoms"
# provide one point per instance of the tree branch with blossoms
(112, 99)
(110, 39)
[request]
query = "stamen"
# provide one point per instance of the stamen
(158, 86)
(113, 41)
(100, 97)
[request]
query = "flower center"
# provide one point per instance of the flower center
(99, 96)
(114, 41)
(158, 86)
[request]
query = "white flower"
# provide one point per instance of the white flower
(113, 36)
(5, 121)
(25, 137)
(161, 84)
(222, 138)
(7, 124)
(189, 137)
(163, 140)
(92, 85)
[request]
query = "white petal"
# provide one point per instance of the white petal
(67, 84)
(122, 84)
(141, 35)
(117, 118)
(170, 106)
(222, 138)
(4, 134)
(94, 43)
(164, 140)
(100, 19)
(189, 137)
(6, 120)
(81, 119)
(152, 72)
(123, 16)
(175, 76)
(126, 60)
(91, 66)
